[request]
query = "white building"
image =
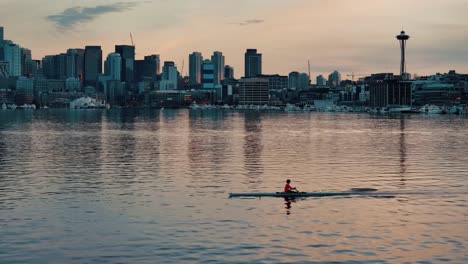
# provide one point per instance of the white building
(112, 66)
(170, 77)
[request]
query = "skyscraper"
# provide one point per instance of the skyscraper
(195, 65)
(72, 63)
(208, 76)
(127, 53)
(112, 66)
(92, 64)
(146, 68)
(170, 76)
(26, 62)
(334, 79)
(13, 57)
(293, 80)
(320, 80)
(253, 63)
(228, 72)
(2, 38)
(218, 62)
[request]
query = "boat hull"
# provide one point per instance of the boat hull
(306, 194)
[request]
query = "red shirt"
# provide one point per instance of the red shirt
(287, 187)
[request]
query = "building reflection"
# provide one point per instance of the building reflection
(253, 146)
(403, 154)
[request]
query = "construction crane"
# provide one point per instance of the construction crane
(355, 74)
(131, 38)
(183, 64)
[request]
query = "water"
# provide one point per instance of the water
(150, 186)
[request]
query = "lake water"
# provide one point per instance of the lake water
(151, 186)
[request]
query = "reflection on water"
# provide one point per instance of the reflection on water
(145, 186)
(253, 146)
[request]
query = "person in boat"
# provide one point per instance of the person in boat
(288, 188)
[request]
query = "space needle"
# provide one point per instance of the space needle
(402, 38)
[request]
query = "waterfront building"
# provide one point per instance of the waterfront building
(36, 69)
(252, 63)
(304, 81)
(72, 85)
(384, 93)
(218, 62)
(74, 63)
(170, 76)
(146, 68)
(127, 55)
(4, 69)
(228, 72)
(436, 92)
(334, 79)
(320, 80)
(208, 75)
(112, 66)
(24, 90)
(92, 64)
(293, 80)
(13, 57)
(26, 62)
(195, 68)
(253, 91)
(276, 81)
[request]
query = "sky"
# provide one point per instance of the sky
(351, 36)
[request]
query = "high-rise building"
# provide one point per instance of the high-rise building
(334, 79)
(4, 68)
(293, 80)
(228, 72)
(2, 42)
(146, 68)
(92, 64)
(112, 66)
(13, 57)
(74, 63)
(195, 65)
(253, 63)
(304, 81)
(208, 75)
(24, 90)
(253, 91)
(218, 62)
(127, 54)
(320, 80)
(26, 62)
(158, 64)
(170, 76)
(276, 81)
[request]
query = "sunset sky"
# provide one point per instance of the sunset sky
(347, 35)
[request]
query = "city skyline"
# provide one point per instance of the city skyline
(333, 35)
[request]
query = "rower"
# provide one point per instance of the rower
(288, 188)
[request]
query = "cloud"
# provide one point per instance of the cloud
(74, 16)
(249, 22)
